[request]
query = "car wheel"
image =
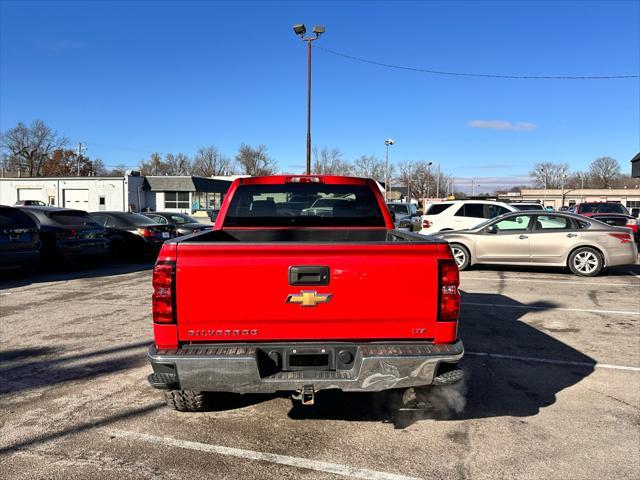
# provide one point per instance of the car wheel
(585, 262)
(460, 255)
(187, 400)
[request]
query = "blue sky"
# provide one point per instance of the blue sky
(129, 78)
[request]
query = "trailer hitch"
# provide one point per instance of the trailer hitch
(306, 395)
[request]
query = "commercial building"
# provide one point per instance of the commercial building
(132, 192)
(555, 198)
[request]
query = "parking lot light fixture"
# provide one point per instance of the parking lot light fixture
(300, 30)
(387, 143)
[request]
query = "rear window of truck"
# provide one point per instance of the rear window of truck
(304, 205)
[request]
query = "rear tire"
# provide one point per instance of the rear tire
(461, 255)
(585, 262)
(187, 400)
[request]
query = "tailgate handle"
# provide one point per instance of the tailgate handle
(308, 275)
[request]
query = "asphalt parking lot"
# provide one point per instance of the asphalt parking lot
(552, 391)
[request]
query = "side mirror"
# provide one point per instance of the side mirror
(419, 213)
(491, 229)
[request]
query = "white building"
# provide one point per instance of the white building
(132, 192)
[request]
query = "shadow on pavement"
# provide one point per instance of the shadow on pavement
(618, 271)
(24, 369)
(72, 271)
(492, 387)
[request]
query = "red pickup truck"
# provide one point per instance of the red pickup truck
(292, 291)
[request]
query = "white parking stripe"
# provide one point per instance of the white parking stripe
(297, 462)
(533, 307)
(557, 362)
(568, 280)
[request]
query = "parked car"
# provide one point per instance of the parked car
(406, 216)
(19, 239)
(635, 212)
(29, 203)
(612, 213)
(584, 245)
(461, 214)
(526, 205)
(133, 234)
(321, 318)
(66, 233)
(183, 223)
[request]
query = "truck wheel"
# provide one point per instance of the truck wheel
(461, 255)
(187, 400)
(585, 262)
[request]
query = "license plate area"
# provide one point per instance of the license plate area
(308, 359)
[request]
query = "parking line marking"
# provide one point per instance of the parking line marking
(462, 278)
(565, 309)
(556, 362)
(297, 462)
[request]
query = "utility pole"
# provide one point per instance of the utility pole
(562, 178)
(438, 182)
(473, 187)
(409, 184)
(79, 151)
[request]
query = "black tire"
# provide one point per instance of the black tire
(187, 400)
(461, 255)
(585, 262)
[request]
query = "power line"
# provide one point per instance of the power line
(480, 75)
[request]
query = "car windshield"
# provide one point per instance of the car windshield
(527, 206)
(72, 217)
(398, 209)
(603, 208)
(12, 217)
(181, 218)
(304, 204)
(134, 219)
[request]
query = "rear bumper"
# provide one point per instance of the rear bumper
(244, 368)
(19, 258)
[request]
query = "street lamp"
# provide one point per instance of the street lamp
(562, 179)
(387, 142)
(429, 179)
(544, 177)
(300, 30)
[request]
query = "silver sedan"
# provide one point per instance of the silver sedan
(582, 244)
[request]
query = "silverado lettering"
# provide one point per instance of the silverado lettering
(326, 246)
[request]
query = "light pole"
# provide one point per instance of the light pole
(544, 177)
(429, 179)
(300, 29)
(562, 179)
(438, 182)
(387, 142)
(409, 183)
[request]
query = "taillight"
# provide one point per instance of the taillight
(426, 224)
(303, 180)
(163, 288)
(67, 234)
(623, 237)
(449, 294)
(146, 232)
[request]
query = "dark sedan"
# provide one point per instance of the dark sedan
(184, 224)
(19, 239)
(67, 233)
(133, 234)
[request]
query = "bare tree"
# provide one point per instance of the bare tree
(548, 174)
(30, 147)
(117, 171)
(604, 172)
(255, 161)
(178, 164)
(154, 166)
(209, 162)
(330, 162)
(370, 166)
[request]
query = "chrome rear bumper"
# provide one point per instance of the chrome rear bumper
(241, 369)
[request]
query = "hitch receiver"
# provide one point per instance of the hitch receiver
(306, 395)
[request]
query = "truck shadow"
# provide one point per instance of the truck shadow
(494, 386)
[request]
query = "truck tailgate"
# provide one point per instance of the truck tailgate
(240, 292)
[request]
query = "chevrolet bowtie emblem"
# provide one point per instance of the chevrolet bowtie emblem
(308, 298)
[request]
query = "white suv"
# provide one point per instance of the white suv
(461, 214)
